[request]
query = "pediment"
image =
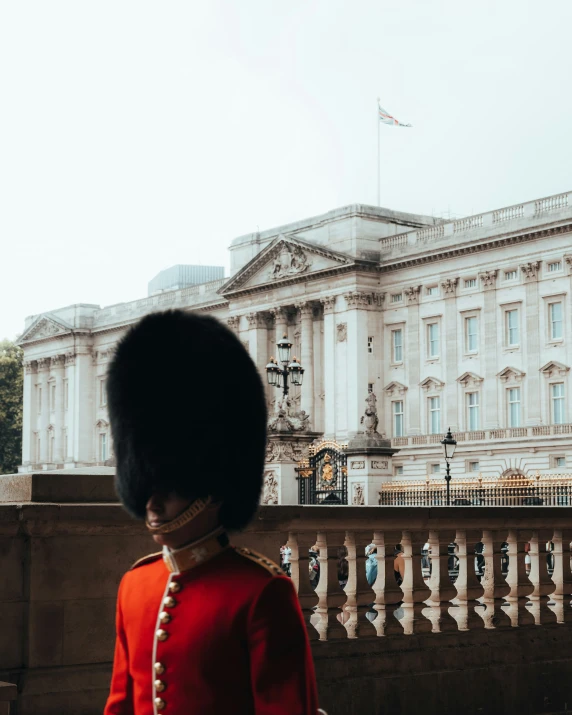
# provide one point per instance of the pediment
(286, 259)
(432, 383)
(45, 326)
(511, 373)
(395, 388)
(470, 379)
(554, 369)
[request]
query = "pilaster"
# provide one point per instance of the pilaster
(44, 412)
(307, 359)
(57, 369)
(30, 372)
(489, 281)
(413, 360)
(84, 418)
(329, 369)
(532, 344)
(450, 337)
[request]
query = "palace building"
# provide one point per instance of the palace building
(464, 324)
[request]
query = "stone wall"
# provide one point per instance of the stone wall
(61, 565)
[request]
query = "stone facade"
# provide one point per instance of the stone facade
(464, 323)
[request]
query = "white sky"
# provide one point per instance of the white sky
(137, 135)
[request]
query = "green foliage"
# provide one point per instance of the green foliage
(11, 398)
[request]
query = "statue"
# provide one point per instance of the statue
(327, 472)
(370, 419)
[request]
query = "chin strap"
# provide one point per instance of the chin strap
(193, 510)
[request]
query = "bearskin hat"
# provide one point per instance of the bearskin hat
(188, 415)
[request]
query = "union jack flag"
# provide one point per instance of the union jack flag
(386, 118)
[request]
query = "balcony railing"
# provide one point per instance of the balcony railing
(502, 433)
(487, 596)
(540, 490)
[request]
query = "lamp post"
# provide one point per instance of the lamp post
(291, 370)
(449, 446)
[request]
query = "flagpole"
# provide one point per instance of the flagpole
(378, 158)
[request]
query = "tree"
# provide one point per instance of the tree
(11, 397)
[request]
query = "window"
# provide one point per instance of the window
(51, 447)
(435, 415)
(369, 345)
(65, 443)
(52, 396)
(103, 447)
(473, 466)
(103, 391)
(512, 332)
(39, 389)
(471, 283)
(397, 345)
(435, 468)
(433, 290)
(398, 471)
(471, 335)
(559, 461)
(66, 394)
(370, 387)
(38, 448)
(473, 411)
(514, 407)
(397, 297)
(557, 397)
(433, 339)
(555, 266)
(555, 321)
(398, 418)
(510, 275)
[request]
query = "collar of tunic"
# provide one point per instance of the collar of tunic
(191, 555)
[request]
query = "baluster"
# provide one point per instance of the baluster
(562, 576)
(442, 590)
(414, 589)
(541, 581)
(520, 585)
(388, 594)
(358, 591)
(331, 596)
(467, 585)
(493, 581)
(299, 565)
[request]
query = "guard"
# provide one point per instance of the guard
(203, 628)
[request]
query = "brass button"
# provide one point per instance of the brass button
(160, 686)
(162, 635)
(159, 703)
(169, 602)
(159, 668)
(164, 617)
(175, 587)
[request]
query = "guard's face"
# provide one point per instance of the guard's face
(162, 508)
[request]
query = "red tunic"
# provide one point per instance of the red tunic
(232, 641)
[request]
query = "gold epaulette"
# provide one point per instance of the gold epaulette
(260, 559)
(147, 559)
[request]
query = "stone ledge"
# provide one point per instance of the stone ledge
(86, 485)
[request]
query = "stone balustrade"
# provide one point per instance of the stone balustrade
(502, 433)
(490, 222)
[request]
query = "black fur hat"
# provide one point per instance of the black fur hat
(188, 415)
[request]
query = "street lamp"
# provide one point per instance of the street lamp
(449, 446)
(291, 369)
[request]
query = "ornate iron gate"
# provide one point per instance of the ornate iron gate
(323, 477)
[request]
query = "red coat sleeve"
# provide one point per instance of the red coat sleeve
(120, 700)
(282, 670)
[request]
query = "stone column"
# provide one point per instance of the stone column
(450, 342)
(280, 323)
(57, 366)
(82, 406)
(532, 344)
(357, 377)
(307, 359)
(491, 411)
(44, 414)
(329, 364)
(29, 413)
(413, 360)
(71, 421)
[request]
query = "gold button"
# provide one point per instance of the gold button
(169, 602)
(175, 587)
(162, 635)
(159, 668)
(160, 686)
(164, 617)
(159, 703)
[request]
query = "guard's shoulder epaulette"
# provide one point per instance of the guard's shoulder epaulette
(260, 559)
(147, 559)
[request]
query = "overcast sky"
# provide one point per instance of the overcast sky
(137, 135)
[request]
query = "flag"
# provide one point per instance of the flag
(386, 118)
